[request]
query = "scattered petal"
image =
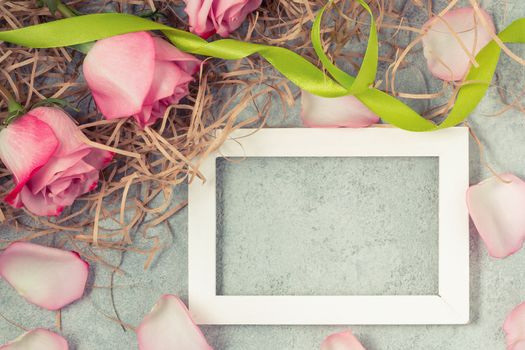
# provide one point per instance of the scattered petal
(341, 341)
(37, 339)
(346, 111)
(169, 326)
(446, 58)
(514, 328)
(496, 208)
(48, 277)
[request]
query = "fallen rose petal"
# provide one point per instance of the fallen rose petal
(48, 277)
(341, 341)
(446, 59)
(26, 145)
(514, 328)
(346, 111)
(37, 339)
(497, 210)
(169, 326)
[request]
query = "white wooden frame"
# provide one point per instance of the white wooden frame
(450, 306)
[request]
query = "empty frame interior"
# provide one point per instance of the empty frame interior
(327, 225)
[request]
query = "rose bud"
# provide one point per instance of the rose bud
(50, 163)
(137, 75)
(208, 17)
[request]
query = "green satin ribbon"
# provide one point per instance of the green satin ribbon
(88, 28)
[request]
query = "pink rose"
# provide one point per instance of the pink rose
(208, 17)
(137, 75)
(51, 164)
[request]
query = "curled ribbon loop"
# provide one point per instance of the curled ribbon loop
(88, 28)
(367, 73)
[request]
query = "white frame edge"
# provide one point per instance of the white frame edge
(450, 306)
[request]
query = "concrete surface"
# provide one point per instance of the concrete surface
(299, 227)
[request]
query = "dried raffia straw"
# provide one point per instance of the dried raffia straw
(17, 325)
(482, 159)
(515, 104)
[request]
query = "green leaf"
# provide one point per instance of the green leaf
(12, 115)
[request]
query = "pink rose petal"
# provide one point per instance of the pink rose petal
(48, 277)
(70, 184)
(63, 127)
(164, 51)
(168, 78)
(230, 14)
(341, 341)
(497, 210)
(55, 167)
(346, 111)
(99, 158)
(37, 339)
(169, 326)
(119, 71)
(198, 11)
(26, 145)
(446, 59)
(39, 204)
(514, 328)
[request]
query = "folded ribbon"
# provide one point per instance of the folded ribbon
(88, 28)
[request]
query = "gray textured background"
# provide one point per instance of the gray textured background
(274, 239)
(327, 226)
